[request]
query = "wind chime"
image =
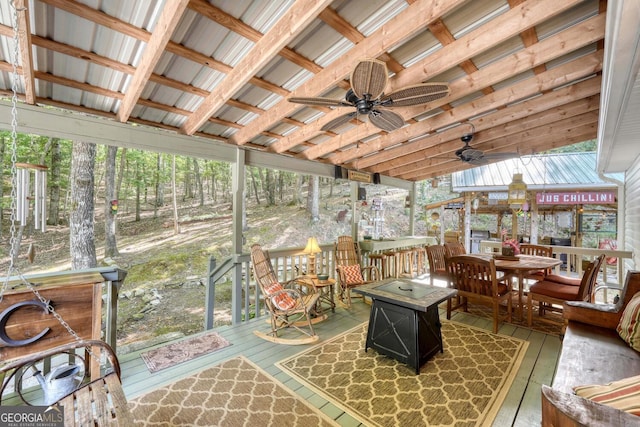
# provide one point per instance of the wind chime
(23, 175)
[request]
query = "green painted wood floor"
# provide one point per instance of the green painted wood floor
(520, 408)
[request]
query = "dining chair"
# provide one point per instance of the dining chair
(475, 279)
(536, 250)
(455, 248)
(550, 295)
(290, 304)
(350, 272)
(436, 255)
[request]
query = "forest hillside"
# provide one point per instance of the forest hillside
(163, 294)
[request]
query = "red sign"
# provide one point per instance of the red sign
(579, 198)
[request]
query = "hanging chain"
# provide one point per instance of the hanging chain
(14, 241)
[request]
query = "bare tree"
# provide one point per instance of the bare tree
(54, 183)
(81, 220)
(111, 245)
(313, 198)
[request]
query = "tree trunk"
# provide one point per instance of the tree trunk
(297, 198)
(313, 198)
(270, 188)
(81, 221)
(176, 224)
(54, 184)
(198, 178)
(110, 243)
(159, 186)
(3, 145)
(138, 189)
(254, 184)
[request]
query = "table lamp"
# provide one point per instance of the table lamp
(311, 250)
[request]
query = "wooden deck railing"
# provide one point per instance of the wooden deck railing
(291, 262)
(613, 269)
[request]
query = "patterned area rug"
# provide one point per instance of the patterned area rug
(554, 328)
(234, 393)
(181, 351)
(465, 385)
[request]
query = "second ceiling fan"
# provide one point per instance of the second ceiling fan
(368, 79)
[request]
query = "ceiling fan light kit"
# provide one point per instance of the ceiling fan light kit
(368, 80)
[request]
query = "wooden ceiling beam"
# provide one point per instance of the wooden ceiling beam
(531, 106)
(554, 141)
(404, 25)
(512, 123)
(26, 52)
(466, 85)
(463, 49)
(292, 22)
(162, 31)
(534, 138)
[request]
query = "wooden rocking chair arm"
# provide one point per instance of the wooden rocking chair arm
(374, 272)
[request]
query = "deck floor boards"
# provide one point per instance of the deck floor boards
(520, 408)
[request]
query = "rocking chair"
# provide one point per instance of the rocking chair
(350, 273)
(290, 304)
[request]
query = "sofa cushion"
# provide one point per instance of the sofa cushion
(629, 325)
(622, 394)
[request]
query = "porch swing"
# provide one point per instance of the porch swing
(85, 389)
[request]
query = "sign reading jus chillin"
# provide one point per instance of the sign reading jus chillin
(582, 198)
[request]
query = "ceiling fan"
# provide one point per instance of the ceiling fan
(368, 81)
(476, 157)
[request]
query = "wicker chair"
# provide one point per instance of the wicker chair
(436, 255)
(551, 295)
(475, 279)
(95, 399)
(349, 271)
(290, 304)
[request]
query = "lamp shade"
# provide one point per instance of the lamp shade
(312, 246)
(517, 194)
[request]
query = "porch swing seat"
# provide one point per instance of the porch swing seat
(97, 401)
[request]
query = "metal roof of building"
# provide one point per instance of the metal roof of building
(558, 171)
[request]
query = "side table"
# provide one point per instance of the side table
(326, 289)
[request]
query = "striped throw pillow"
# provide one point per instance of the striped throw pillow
(629, 324)
(622, 394)
(283, 300)
(352, 274)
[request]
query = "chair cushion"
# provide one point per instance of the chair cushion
(629, 325)
(555, 290)
(623, 394)
(565, 280)
(352, 274)
(283, 300)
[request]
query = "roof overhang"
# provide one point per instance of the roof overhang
(619, 123)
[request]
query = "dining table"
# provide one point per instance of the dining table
(519, 266)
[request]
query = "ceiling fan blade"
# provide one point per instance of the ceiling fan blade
(415, 95)
(327, 102)
(369, 78)
(386, 120)
(478, 162)
(340, 120)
